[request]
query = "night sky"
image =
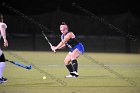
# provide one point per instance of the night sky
(99, 7)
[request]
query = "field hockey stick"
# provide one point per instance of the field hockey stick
(20, 65)
(47, 40)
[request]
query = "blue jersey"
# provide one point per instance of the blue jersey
(73, 44)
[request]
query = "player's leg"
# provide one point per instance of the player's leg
(2, 65)
(74, 55)
(79, 49)
(67, 63)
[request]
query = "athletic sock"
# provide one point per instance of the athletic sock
(75, 65)
(2, 65)
(69, 67)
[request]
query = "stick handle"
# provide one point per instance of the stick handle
(51, 46)
(48, 41)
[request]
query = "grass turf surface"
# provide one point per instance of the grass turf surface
(92, 78)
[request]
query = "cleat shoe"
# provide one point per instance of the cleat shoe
(74, 74)
(3, 80)
(70, 76)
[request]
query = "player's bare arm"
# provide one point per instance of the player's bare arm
(3, 33)
(62, 47)
(67, 37)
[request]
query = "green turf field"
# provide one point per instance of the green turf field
(98, 73)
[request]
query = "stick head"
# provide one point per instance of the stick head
(29, 67)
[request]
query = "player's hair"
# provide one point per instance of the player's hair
(63, 23)
(1, 17)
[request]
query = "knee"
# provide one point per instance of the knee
(66, 62)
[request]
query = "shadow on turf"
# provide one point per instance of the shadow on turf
(51, 76)
(120, 76)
